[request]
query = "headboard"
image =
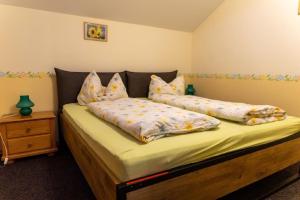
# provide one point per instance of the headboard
(136, 83)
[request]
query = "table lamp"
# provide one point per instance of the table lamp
(25, 105)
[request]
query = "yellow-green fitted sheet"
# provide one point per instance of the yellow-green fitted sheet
(128, 158)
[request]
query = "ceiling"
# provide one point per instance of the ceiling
(183, 15)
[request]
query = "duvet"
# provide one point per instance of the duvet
(239, 112)
(148, 121)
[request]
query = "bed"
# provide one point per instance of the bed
(117, 166)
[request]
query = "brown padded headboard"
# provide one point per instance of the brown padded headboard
(136, 83)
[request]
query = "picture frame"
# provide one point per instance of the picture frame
(96, 32)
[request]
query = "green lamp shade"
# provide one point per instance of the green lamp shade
(25, 105)
(190, 90)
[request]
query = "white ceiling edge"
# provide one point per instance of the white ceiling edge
(180, 15)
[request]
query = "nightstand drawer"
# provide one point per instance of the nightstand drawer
(20, 145)
(28, 128)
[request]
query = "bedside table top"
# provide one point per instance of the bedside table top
(33, 116)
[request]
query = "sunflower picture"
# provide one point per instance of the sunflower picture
(96, 32)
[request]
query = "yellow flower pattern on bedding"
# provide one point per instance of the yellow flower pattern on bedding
(239, 112)
(178, 85)
(159, 86)
(115, 89)
(91, 89)
(148, 121)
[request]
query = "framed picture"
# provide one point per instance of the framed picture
(97, 32)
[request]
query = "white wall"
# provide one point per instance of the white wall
(249, 36)
(33, 40)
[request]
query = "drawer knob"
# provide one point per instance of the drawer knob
(29, 146)
(28, 130)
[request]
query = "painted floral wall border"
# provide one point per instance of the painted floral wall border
(270, 77)
(25, 74)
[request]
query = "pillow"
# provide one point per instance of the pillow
(91, 90)
(159, 86)
(115, 89)
(70, 83)
(178, 85)
(138, 82)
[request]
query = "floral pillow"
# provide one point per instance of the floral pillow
(115, 89)
(91, 89)
(159, 86)
(178, 85)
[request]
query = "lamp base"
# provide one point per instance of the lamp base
(25, 111)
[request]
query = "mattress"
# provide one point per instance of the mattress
(129, 159)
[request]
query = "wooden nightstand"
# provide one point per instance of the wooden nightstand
(28, 136)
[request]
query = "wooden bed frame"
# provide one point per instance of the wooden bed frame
(209, 179)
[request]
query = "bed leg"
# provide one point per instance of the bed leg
(121, 193)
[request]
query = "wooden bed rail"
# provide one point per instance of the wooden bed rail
(221, 179)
